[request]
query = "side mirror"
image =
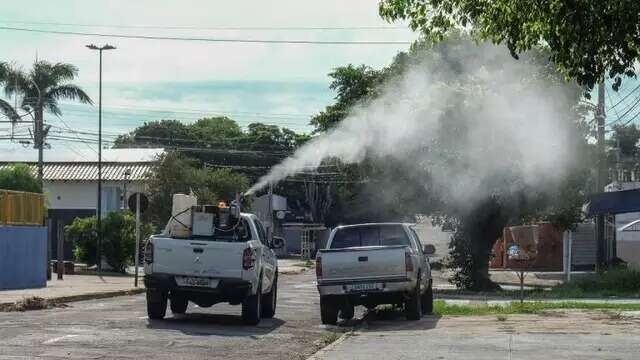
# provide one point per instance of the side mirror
(429, 249)
(277, 243)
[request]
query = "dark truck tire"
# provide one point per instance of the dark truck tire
(269, 300)
(178, 304)
(412, 306)
(156, 304)
(347, 312)
(427, 300)
(328, 310)
(252, 306)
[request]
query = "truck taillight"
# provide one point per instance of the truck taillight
(408, 262)
(148, 252)
(319, 266)
(248, 258)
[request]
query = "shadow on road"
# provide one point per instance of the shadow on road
(395, 320)
(204, 324)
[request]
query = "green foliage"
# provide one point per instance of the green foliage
(616, 282)
(353, 85)
(625, 137)
(163, 132)
(19, 177)
(48, 82)
(585, 40)
(440, 307)
(177, 173)
(118, 238)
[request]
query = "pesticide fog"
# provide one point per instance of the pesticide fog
(470, 115)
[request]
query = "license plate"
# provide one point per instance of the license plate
(363, 287)
(196, 281)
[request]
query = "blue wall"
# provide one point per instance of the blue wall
(23, 257)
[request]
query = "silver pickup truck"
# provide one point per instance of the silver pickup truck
(373, 264)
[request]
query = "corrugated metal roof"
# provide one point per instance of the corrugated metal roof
(88, 171)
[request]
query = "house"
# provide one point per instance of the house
(71, 185)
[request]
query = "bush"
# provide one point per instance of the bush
(19, 178)
(118, 239)
(615, 282)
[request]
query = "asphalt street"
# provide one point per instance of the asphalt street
(118, 328)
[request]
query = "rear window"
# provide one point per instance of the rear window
(378, 235)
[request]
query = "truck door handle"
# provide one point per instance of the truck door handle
(363, 258)
(198, 250)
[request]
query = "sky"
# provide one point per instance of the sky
(145, 80)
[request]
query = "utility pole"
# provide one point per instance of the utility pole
(99, 207)
(270, 233)
(601, 179)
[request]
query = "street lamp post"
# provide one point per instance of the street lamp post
(99, 207)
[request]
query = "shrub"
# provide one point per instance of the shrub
(19, 177)
(118, 239)
(617, 281)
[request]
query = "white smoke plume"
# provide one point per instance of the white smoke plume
(473, 112)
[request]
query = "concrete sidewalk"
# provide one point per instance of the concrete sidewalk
(74, 286)
(565, 335)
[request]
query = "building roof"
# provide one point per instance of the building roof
(614, 202)
(129, 155)
(88, 171)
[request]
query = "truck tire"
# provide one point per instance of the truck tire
(347, 312)
(412, 306)
(252, 306)
(156, 304)
(270, 299)
(427, 300)
(328, 310)
(178, 304)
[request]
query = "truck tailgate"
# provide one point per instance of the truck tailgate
(368, 262)
(194, 257)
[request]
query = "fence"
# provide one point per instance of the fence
(21, 208)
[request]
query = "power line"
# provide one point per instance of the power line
(211, 40)
(625, 97)
(628, 110)
(233, 28)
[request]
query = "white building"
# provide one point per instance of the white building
(71, 185)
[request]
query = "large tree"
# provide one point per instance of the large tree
(586, 39)
(176, 173)
(400, 190)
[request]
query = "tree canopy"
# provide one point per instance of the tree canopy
(19, 177)
(586, 39)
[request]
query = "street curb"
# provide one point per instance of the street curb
(330, 347)
(9, 306)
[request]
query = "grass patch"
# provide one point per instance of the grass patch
(534, 307)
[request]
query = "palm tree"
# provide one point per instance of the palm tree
(44, 86)
(5, 108)
(41, 89)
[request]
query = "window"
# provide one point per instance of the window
(262, 235)
(372, 235)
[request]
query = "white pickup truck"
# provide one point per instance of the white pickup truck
(373, 264)
(237, 266)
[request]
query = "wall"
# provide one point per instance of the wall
(23, 257)
(84, 194)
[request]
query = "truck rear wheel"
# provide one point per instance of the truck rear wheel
(412, 306)
(178, 304)
(427, 300)
(328, 310)
(252, 306)
(269, 300)
(347, 312)
(156, 304)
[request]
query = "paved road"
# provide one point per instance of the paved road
(118, 328)
(555, 335)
